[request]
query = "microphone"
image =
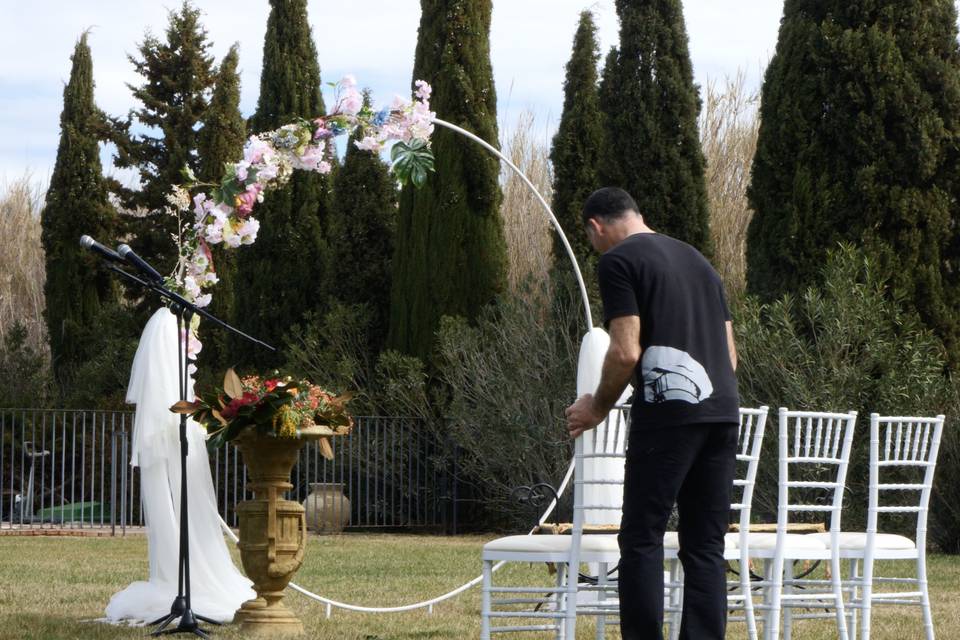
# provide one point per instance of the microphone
(126, 253)
(105, 252)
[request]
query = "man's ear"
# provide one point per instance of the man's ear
(593, 224)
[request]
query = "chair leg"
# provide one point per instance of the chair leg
(569, 623)
(560, 600)
(485, 600)
(747, 592)
(676, 598)
(601, 597)
(925, 596)
(788, 577)
(855, 598)
(771, 625)
(836, 580)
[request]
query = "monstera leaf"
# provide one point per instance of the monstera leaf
(412, 162)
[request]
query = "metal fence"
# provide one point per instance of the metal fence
(70, 469)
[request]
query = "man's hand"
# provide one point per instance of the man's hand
(582, 415)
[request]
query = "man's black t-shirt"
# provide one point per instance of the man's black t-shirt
(684, 375)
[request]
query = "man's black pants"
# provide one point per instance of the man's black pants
(692, 466)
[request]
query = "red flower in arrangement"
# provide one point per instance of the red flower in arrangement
(230, 411)
(271, 384)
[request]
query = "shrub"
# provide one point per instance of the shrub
(844, 345)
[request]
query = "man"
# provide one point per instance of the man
(669, 325)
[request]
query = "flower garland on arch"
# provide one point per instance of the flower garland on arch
(224, 213)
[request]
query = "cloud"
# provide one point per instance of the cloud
(530, 45)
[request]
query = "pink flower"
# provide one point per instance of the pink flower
(254, 150)
(247, 199)
(399, 103)
(312, 156)
(423, 90)
(324, 167)
(351, 103)
(201, 206)
(369, 143)
(348, 81)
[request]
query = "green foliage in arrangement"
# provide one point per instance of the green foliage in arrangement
(162, 135)
(450, 254)
(221, 141)
(576, 149)
(76, 289)
(281, 277)
(860, 124)
(844, 345)
(650, 107)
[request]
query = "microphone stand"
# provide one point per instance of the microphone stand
(184, 310)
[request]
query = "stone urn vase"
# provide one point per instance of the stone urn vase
(273, 532)
(328, 509)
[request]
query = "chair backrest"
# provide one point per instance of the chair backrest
(814, 450)
(902, 449)
(749, 443)
(603, 485)
(599, 469)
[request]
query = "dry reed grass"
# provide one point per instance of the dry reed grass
(729, 123)
(22, 267)
(526, 227)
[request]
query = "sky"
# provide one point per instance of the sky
(530, 43)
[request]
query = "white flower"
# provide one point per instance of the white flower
(247, 231)
(369, 143)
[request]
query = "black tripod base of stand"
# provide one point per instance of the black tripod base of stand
(189, 621)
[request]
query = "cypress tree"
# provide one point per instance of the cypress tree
(859, 139)
(221, 141)
(178, 75)
(361, 237)
(576, 147)
(650, 107)
(281, 277)
(75, 289)
(451, 254)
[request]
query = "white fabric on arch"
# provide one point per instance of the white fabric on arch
(593, 350)
(217, 586)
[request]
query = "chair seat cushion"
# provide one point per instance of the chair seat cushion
(672, 541)
(797, 541)
(603, 543)
(853, 540)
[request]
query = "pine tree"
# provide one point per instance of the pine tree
(221, 141)
(361, 236)
(860, 125)
(451, 255)
(178, 75)
(280, 278)
(650, 107)
(576, 148)
(76, 289)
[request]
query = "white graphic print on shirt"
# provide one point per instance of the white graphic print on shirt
(671, 374)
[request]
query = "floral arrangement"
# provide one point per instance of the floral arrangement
(224, 213)
(275, 406)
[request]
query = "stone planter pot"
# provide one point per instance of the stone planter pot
(328, 509)
(273, 533)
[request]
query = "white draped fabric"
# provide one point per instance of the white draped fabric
(593, 349)
(217, 587)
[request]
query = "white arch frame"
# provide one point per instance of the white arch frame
(428, 604)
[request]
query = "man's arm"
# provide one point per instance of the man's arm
(731, 345)
(618, 366)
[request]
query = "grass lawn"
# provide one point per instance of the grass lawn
(53, 588)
